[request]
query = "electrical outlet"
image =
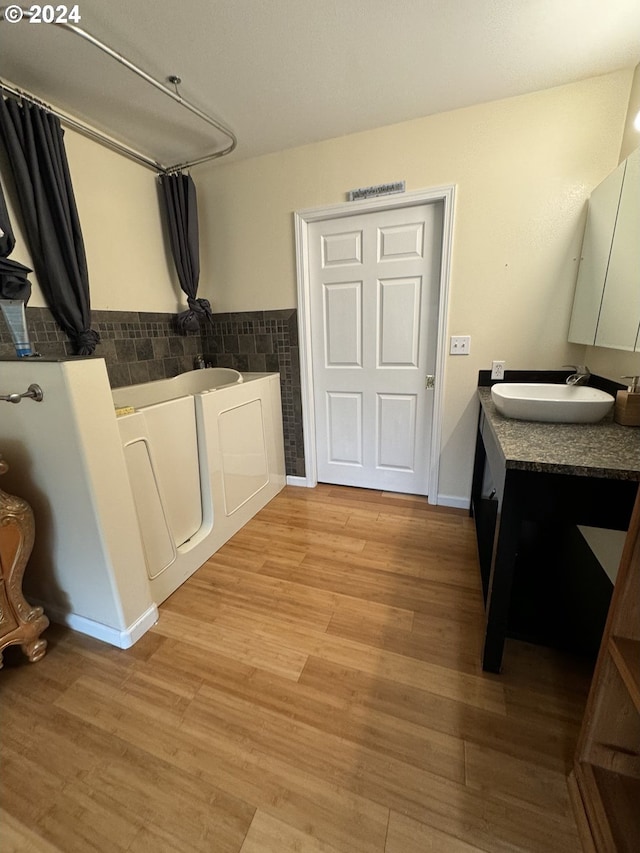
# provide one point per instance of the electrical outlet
(460, 345)
(497, 369)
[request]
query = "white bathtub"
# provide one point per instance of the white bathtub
(204, 452)
(128, 507)
(193, 382)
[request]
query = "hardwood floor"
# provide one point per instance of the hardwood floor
(315, 687)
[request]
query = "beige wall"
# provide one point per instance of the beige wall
(631, 135)
(129, 265)
(523, 167)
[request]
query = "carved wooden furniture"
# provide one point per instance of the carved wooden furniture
(605, 782)
(19, 622)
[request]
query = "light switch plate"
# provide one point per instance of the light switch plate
(460, 345)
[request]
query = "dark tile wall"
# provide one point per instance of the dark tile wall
(258, 341)
(140, 346)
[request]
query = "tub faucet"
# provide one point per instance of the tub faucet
(580, 377)
(198, 362)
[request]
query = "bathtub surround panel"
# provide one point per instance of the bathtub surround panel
(239, 449)
(153, 496)
(140, 346)
(159, 551)
(170, 429)
(264, 341)
(66, 460)
(243, 452)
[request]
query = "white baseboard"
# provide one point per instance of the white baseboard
(454, 501)
(121, 639)
(442, 500)
(142, 624)
(299, 481)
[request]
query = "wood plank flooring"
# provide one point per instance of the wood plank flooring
(315, 687)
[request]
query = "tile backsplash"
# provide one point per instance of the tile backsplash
(139, 346)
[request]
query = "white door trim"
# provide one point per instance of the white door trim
(302, 220)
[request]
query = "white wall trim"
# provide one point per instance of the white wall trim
(454, 501)
(300, 481)
(302, 221)
(121, 639)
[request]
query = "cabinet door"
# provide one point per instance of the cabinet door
(620, 313)
(594, 260)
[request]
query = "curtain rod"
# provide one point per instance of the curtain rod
(120, 147)
(83, 128)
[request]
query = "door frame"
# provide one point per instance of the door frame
(302, 220)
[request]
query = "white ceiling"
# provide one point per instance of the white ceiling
(283, 73)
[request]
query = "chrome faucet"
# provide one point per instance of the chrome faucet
(580, 377)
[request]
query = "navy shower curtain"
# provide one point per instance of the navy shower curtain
(181, 210)
(34, 142)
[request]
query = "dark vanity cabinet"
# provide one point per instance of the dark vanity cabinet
(532, 484)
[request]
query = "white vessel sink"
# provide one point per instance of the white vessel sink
(532, 401)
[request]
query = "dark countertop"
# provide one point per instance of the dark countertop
(605, 449)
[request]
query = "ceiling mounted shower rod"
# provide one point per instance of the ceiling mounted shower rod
(84, 129)
(115, 145)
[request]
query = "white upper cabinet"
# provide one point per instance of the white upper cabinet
(606, 308)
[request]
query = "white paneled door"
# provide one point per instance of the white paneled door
(374, 281)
